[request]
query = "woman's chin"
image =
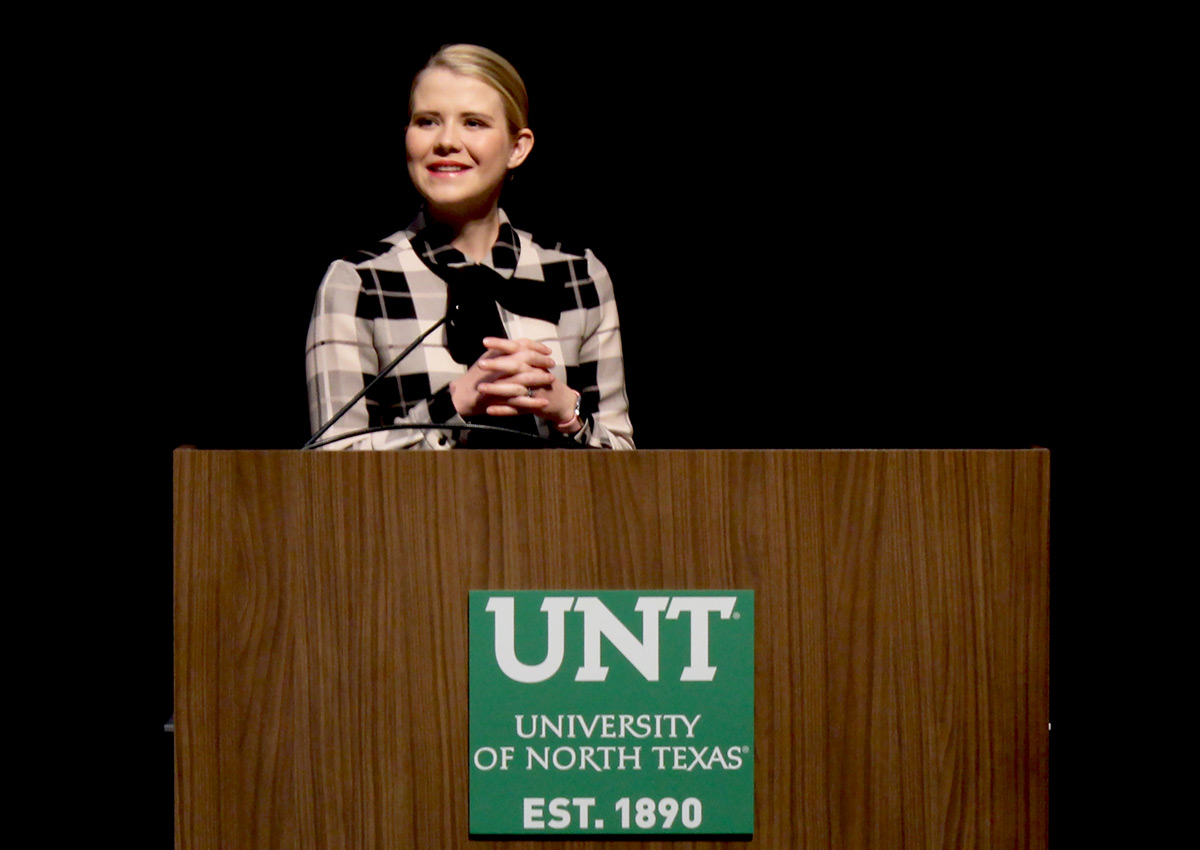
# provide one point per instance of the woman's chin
(459, 209)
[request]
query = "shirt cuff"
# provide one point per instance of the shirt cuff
(441, 407)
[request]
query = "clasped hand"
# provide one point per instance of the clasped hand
(511, 378)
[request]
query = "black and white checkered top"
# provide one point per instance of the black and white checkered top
(374, 303)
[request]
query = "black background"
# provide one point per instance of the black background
(857, 233)
(855, 248)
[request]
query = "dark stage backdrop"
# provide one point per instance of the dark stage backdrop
(846, 237)
(836, 246)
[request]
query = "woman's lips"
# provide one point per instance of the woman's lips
(446, 169)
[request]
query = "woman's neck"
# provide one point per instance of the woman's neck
(474, 236)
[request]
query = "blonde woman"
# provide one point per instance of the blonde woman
(529, 339)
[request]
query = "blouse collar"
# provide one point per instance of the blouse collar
(432, 240)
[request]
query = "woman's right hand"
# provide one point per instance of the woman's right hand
(499, 383)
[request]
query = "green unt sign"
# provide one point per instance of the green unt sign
(612, 713)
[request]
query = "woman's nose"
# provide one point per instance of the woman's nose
(447, 138)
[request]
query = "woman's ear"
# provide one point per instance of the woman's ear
(522, 145)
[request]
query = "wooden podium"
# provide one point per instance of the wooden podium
(901, 632)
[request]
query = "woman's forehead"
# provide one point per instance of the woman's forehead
(443, 90)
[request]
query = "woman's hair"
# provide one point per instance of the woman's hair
(489, 66)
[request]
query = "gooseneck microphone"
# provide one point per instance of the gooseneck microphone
(315, 441)
(382, 374)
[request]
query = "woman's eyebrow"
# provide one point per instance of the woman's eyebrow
(434, 113)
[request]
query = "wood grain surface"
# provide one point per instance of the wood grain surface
(901, 632)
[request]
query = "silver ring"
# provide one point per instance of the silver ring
(529, 390)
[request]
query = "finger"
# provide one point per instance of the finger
(511, 346)
(516, 406)
(525, 403)
(504, 389)
(534, 345)
(523, 361)
(522, 382)
(499, 343)
(497, 362)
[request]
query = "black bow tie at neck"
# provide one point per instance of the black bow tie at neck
(472, 295)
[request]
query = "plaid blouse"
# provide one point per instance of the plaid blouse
(372, 304)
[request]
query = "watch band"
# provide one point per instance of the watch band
(566, 427)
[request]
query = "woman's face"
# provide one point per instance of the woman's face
(458, 145)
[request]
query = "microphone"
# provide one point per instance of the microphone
(315, 441)
(382, 374)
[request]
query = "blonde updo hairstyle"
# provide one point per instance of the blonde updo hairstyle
(474, 61)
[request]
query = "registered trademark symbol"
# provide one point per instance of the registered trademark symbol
(737, 615)
(745, 749)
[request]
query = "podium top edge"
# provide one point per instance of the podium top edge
(515, 452)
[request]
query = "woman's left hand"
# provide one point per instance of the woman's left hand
(560, 407)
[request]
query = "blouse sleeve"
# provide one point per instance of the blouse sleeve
(342, 355)
(604, 405)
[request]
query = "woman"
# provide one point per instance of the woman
(531, 336)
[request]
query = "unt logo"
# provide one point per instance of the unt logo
(599, 621)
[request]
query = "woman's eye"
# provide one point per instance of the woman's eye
(422, 122)
(475, 122)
